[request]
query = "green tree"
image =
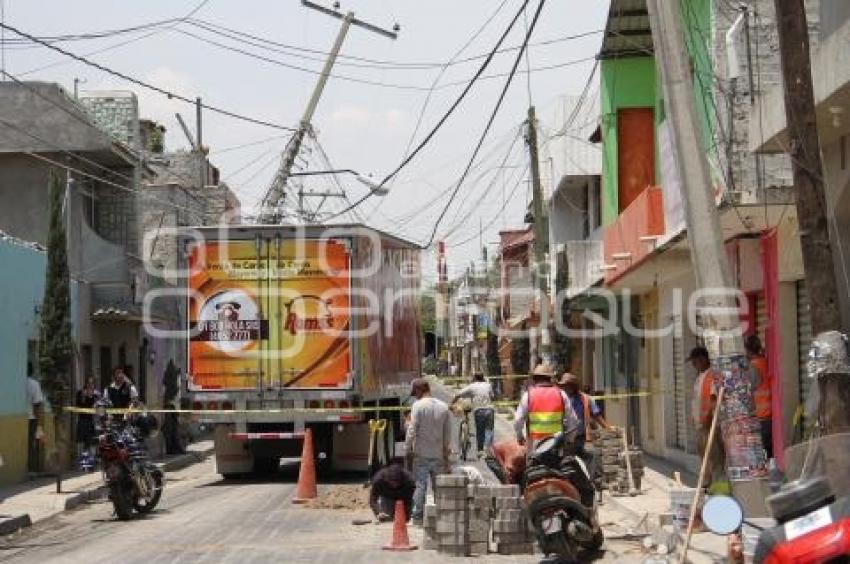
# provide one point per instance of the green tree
(56, 345)
(427, 312)
(561, 349)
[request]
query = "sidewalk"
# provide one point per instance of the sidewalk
(23, 504)
(654, 499)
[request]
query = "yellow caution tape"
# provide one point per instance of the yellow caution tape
(327, 410)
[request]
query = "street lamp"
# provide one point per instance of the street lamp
(376, 189)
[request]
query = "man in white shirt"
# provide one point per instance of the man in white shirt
(481, 393)
(35, 435)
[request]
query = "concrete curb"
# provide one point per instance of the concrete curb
(10, 525)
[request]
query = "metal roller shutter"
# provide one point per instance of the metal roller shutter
(680, 403)
(804, 339)
(761, 317)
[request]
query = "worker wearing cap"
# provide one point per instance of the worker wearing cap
(544, 409)
(584, 407)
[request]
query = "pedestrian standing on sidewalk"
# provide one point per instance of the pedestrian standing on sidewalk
(481, 393)
(762, 383)
(87, 396)
(427, 442)
(35, 435)
(702, 409)
(121, 392)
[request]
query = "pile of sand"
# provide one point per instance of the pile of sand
(352, 497)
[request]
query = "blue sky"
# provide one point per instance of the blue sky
(361, 126)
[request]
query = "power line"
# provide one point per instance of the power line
(445, 116)
(439, 76)
(491, 118)
(495, 216)
(146, 85)
(127, 42)
(371, 63)
(246, 145)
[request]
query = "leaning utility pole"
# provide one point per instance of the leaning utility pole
(276, 192)
(720, 314)
(541, 243)
(804, 150)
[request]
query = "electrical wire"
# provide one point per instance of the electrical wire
(191, 13)
(371, 63)
(491, 118)
(439, 76)
(496, 216)
(146, 85)
(445, 116)
(246, 145)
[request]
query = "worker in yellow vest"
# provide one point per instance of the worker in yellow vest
(762, 384)
(702, 411)
(544, 409)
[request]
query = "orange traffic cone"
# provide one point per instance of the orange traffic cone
(305, 490)
(400, 542)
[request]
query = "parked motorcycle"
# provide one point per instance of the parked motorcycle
(134, 483)
(561, 501)
(811, 525)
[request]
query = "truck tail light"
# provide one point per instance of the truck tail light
(197, 406)
(329, 404)
(344, 404)
(228, 405)
(212, 405)
(314, 404)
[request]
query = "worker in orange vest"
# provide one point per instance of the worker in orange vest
(544, 409)
(762, 384)
(702, 411)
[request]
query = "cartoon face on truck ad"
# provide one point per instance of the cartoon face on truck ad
(277, 316)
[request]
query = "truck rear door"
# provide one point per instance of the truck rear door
(270, 313)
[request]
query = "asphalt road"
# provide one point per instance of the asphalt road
(203, 518)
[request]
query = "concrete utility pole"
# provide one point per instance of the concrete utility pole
(276, 191)
(705, 236)
(541, 243)
(805, 155)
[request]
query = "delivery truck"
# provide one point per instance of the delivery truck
(297, 327)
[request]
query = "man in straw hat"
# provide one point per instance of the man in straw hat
(544, 409)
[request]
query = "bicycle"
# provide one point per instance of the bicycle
(464, 432)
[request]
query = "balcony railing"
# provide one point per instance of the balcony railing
(632, 237)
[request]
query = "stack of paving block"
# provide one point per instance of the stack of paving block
(429, 527)
(621, 485)
(452, 523)
(511, 531)
(480, 501)
(609, 445)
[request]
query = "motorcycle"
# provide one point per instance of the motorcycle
(561, 500)
(811, 526)
(134, 483)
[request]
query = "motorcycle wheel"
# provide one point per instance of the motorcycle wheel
(147, 505)
(119, 494)
(597, 541)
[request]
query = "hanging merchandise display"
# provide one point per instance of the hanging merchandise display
(740, 430)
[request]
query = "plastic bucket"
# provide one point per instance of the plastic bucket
(680, 506)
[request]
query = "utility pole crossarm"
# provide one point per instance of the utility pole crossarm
(277, 189)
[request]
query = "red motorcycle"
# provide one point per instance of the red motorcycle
(812, 527)
(134, 483)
